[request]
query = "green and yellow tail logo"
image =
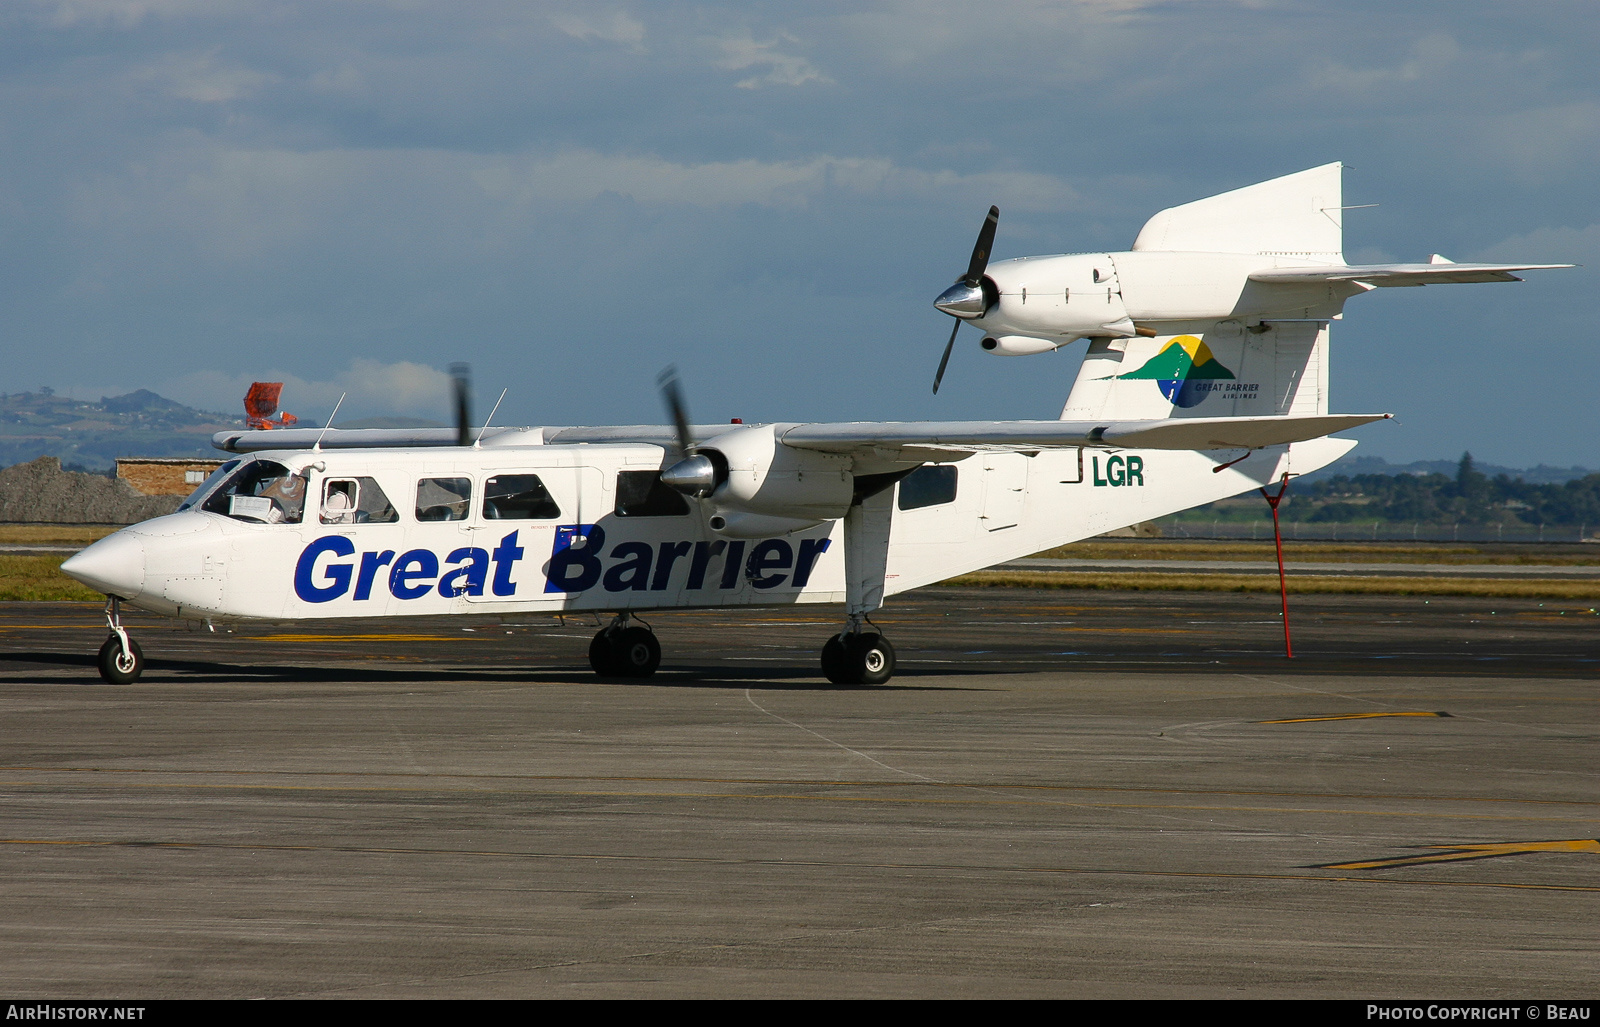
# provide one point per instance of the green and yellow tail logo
(1184, 371)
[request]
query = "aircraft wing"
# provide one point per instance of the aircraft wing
(245, 441)
(1439, 272)
(936, 440)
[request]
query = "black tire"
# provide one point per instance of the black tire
(603, 654)
(833, 662)
(117, 669)
(869, 659)
(636, 652)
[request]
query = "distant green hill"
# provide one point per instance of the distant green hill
(92, 435)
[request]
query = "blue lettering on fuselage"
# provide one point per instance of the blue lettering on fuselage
(329, 567)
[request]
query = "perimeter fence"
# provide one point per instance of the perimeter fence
(1332, 531)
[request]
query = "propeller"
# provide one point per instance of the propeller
(462, 387)
(969, 297)
(693, 473)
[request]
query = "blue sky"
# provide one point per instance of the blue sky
(348, 195)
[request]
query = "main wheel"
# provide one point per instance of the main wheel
(117, 667)
(603, 653)
(637, 653)
(869, 658)
(833, 662)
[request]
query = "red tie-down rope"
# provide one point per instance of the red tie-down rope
(1277, 537)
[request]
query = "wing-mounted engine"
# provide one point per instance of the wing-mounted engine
(757, 487)
(754, 485)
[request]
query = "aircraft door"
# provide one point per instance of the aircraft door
(521, 510)
(1005, 489)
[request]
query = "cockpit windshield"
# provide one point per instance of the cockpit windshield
(209, 484)
(263, 491)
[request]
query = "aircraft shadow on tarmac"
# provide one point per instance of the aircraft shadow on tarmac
(804, 676)
(770, 678)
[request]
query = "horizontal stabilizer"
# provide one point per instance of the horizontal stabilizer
(956, 437)
(1400, 274)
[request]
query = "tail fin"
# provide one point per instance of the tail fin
(1229, 371)
(1296, 215)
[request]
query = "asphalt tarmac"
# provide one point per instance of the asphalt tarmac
(1060, 794)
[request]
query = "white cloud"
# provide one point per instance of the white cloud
(225, 204)
(126, 14)
(615, 27)
(1549, 246)
(1542, 144)
(370, 387)
(741, 52)
(583, 174)
(1431, 57)
(200, 76)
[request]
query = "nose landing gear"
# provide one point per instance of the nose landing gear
(623, 649)
(857, 657)
(121, 660)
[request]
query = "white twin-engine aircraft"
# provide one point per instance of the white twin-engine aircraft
(1206, 376)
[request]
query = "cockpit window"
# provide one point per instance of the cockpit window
(355, 500)
(210, 483)
(262, 491)
(443, 499)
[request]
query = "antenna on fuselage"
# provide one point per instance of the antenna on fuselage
(316, 447)
(489, 420)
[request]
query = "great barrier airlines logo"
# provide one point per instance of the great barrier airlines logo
(330, 568)
(1185, 371)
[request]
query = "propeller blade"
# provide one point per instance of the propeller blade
(672, 395)
(462, 388)
(939, 377)
(980, 252)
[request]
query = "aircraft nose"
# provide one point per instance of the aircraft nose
(114, 565)
(962, 300)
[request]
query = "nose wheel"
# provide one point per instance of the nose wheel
(858, 658)
(121, 660)
(623, 649)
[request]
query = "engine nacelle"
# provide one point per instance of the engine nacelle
(1019, 345)
(735, 524)
(767, 478)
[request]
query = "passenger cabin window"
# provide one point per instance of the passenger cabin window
(262, 491)
(641, 494)
(443, 499)
(928, 485)
(518, 497)
(356, 501)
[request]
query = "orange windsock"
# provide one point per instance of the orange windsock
(261, 402)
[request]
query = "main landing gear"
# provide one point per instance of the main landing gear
(858, 657)
(121, 659)
(623, 649)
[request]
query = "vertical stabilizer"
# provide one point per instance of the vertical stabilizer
(1296, 215)
(1229, 371)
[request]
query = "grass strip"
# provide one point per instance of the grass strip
(38, 579)
(1309, 583)
(54, 534)
(1329, 552)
